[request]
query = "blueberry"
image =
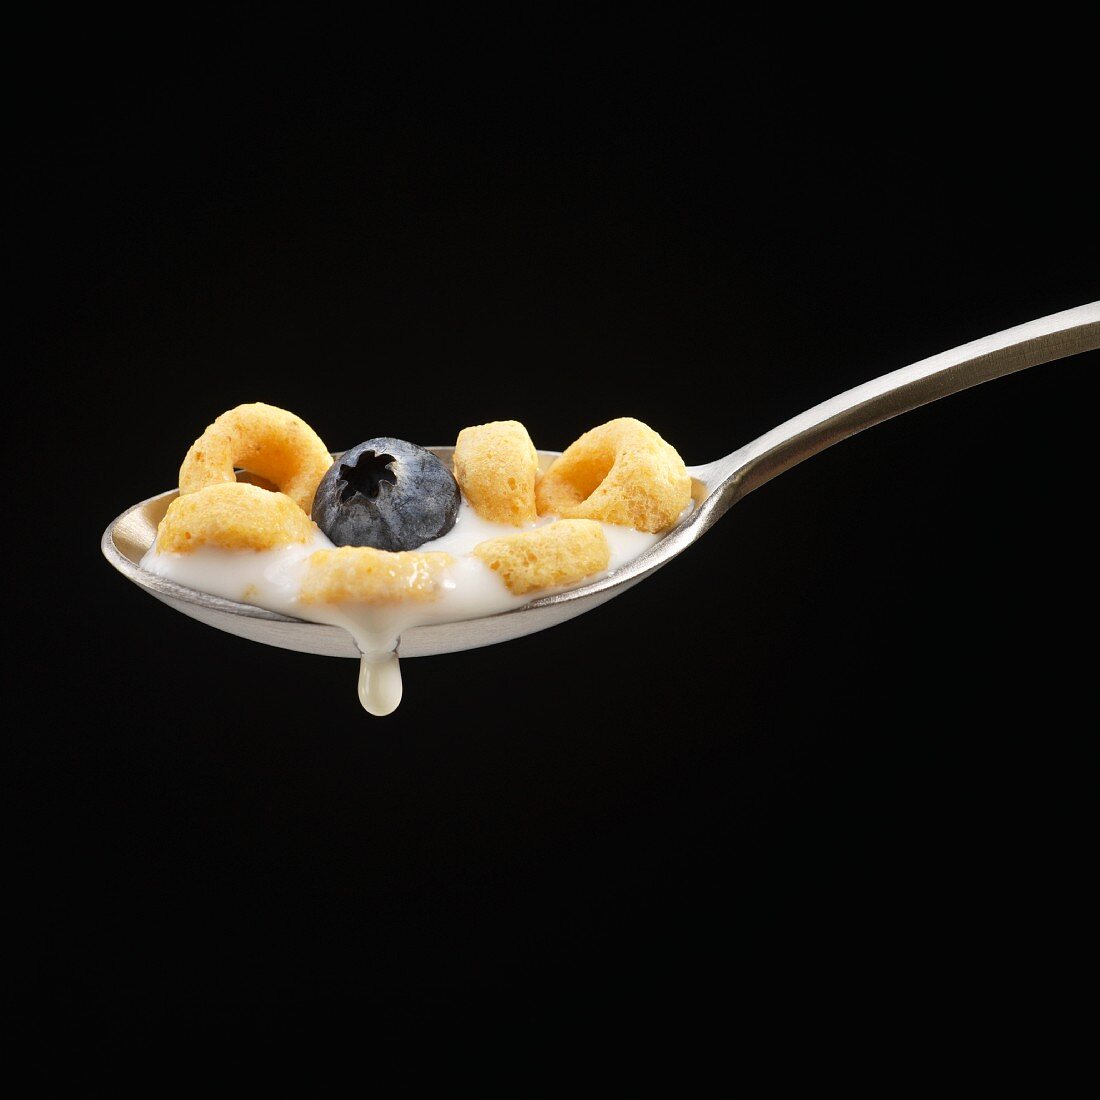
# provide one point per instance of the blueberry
(388, 494)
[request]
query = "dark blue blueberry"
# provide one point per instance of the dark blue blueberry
(388, 494)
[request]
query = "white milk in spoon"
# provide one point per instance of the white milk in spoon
(272, 579)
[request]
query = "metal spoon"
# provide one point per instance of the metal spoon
(716, 486)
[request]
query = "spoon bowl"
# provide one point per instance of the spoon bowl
(716, 486)
(131, 534)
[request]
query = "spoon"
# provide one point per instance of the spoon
(716, 487)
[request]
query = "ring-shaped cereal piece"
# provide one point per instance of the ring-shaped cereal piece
(234, 516)
(562, 552)
(621, 472)
(496, 466)
(362, 574)
(265, 440)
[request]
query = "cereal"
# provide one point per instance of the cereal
(264, 440)
(361, 574)
(556, 553)
(621, 472)
(233, 516)
(496, 466)
(251, 487)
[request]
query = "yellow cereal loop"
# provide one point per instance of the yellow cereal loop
(234, 516)
(264, 440)
(496, 467)
(362, 574)
(621, 472)
(557, 553)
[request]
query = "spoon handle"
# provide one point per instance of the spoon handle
(1055, 337)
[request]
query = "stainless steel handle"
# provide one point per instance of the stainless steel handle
(1055, 337)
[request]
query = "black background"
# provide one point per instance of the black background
(836, 752)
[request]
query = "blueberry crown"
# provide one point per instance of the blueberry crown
(366, 474)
